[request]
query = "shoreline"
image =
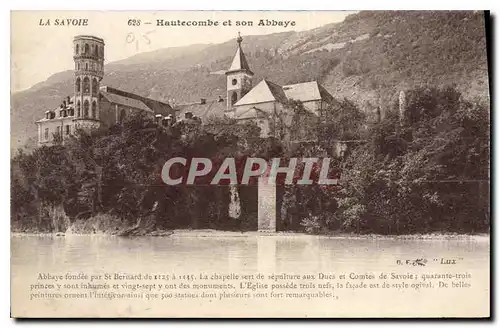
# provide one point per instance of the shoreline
(208, 233)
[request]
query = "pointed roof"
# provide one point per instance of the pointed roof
(239, 61)
(264, 91)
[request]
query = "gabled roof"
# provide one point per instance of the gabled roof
(125, 101)
(134, 100)
(264, 91)
(239, 62)
(277, 91)
(303, 91)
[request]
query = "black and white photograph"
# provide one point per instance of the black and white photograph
(250, 164)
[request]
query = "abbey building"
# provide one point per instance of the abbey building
(92, 105)
(264, 103)
(267, 104)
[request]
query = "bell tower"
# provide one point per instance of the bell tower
(239, 77)
(89, 70)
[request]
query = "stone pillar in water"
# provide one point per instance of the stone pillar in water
(267, 206)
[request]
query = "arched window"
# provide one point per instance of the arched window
(94, 86)
(78, 111)
(86, 48)
(77, 49)
(234, 98)
(86, 66)
(86, 108)
(122, 116)
(94, 109)
(78, 84)
(86, 85)
(78, 66)
(96, 50)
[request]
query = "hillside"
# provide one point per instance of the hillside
(367, 58)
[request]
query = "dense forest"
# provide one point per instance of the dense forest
(422, 169)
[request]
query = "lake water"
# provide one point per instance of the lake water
(251, 254)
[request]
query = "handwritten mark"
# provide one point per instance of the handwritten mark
(142, 38)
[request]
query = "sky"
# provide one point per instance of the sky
(38, 51)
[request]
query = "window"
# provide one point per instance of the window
(96, 50)
(234, 82)
(86, 48)
(86, 108)
(78, 112)
(234, 98)
(78, 85)
(58, 130)
(77, 49)
(94, 86)
(86, 66)
(94, 109)
(86, 85)
(68, 129)
(46, 133)
(78, 66)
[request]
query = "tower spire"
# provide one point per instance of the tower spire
(239, 76)
(239, 61)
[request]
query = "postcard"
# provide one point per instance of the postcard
(250, 164)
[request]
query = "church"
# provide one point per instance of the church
(264, 103)
(92, 105)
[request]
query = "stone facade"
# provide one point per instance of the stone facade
(93, 106)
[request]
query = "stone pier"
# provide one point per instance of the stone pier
(266, 206)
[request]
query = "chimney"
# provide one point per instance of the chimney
(203, 101)
(64, 103)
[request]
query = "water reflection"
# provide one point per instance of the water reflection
(244, 253)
